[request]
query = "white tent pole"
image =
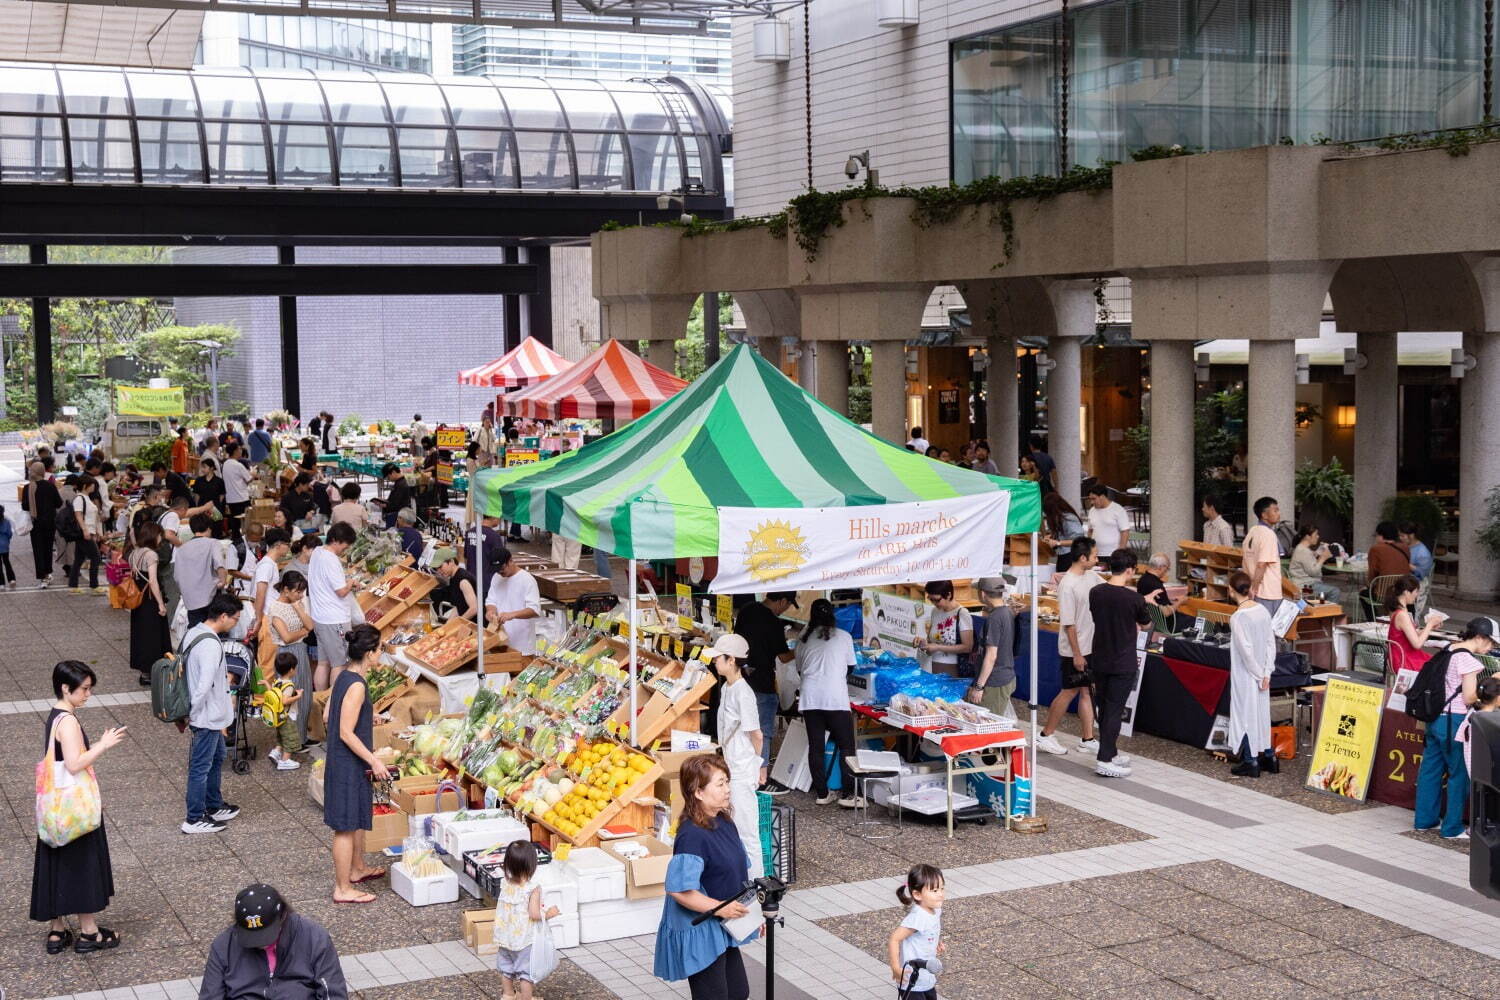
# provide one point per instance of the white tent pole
(632, 650)
(1036, 613)
(475, 498)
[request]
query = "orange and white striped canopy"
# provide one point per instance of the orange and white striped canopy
(612, 383)
(529, 362)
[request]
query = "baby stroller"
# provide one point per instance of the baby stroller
(240, 661)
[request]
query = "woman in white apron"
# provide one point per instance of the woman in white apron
(1252, 658)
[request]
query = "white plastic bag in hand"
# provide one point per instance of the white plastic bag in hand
(543, 956)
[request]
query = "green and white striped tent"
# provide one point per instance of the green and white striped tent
(742, 435)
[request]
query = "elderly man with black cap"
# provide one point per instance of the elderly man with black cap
(271, 953)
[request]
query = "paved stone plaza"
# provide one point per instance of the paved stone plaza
(1175, 883)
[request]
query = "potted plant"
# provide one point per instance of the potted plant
(1325, 499)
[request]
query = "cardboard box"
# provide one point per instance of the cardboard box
(387, 830)
(415, 795)
(669, 794)
(415, 705)
(671, 762)
(646, 877)
(316, 729)
(315, 784)
(477, 925)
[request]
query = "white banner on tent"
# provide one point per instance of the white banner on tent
(821, 548)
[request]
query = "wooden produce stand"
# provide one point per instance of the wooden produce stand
(454, 645)
(1216, 564)
(399, 590)
(567, 585)
(626, 807)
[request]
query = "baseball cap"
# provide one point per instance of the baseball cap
(258, 914)
(1485, 627)
(991, 585)
(784, 595)
(730, 644)
(442, 555)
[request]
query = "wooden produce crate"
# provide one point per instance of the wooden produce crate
(368, 582)
(657, 714)
(388, 699)
(408, 587)
(530, 563)
(459, 637)
(588, 835)
(564, 585)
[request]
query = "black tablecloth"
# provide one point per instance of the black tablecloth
(1187, 684)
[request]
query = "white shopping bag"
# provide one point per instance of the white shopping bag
(543, 952)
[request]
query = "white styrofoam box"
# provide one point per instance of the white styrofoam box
(476, 835)
(565, 929)
(559, 888)
(924, 776)
(424, 891)
(608, 920)
(599, 876)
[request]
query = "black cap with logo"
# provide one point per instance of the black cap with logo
(258, 914)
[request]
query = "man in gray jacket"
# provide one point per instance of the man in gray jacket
(271, 953)
(212, 712)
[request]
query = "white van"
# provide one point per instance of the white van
(124, 436)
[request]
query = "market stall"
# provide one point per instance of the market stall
(787, 494)
(610, 384)
(528, 363)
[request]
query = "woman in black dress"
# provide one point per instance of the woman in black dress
(39, 497)
(348, 799)
(150, 632)
(76, 877)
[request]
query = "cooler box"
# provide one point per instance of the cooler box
(566, 928)
(462, 836)
(424, 891)
(609, 920)
(559, 888)
(600, 877)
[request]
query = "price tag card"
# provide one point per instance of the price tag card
(684, 600)
(724, 610)
(685, 623)
(677, 648)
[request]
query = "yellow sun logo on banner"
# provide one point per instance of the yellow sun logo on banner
(775, 549)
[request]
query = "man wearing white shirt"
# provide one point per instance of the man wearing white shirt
(918, 443)
(514, 602)
(268, 571)
(236, 486)
(327, 588)
(1216, 530)
(1109, 524)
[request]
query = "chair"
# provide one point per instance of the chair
(1373, 656)
(1372, 599)
(1163, 620)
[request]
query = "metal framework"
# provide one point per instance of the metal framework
(662, 17)
(66, 281)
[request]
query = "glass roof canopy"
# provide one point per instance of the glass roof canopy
(298, 128)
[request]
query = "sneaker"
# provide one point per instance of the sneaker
(286, 764)
(11, 585)
(204, 825)
(1464, 835)
(44, 582)
(101, 591)
(853, 802)
(1090, 747)
(225, 813)
(75, 590)
(1048, 743)
(1111, 769)
(1121, 757)
(774, 788)
(829, 799)
(274, 753)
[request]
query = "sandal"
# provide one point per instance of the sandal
(58, 941)
(104, 940)
(358, 900)
(369, 876)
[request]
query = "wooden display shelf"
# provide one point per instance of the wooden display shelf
(657, 714)
(588, 834)
(1216, 563)
(403, 589)
(564, 585)
(1018, 551)
(421, 650)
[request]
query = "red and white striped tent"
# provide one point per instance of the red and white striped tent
(612, 383)
(529, 362)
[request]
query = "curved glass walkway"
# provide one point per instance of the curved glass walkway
(303, 129)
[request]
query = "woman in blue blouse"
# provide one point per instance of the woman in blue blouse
(708, 866)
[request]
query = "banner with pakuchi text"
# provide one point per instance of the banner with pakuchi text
(138, 401)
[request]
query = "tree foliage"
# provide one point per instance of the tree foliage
(691, 357)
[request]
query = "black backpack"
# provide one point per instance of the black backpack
(67, 525)
(1427, 698)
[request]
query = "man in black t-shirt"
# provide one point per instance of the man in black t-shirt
(761, 626)
(1118, 613)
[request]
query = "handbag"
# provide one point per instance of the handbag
(1284, 742)
(543, 958)
(67, 804)
(127, 594)
(21, 523)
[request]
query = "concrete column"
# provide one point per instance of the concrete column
(831, 372)
(1376, 410)
(1172, 473)
(662, 354)
(1479, 463)
(888, 390)
(1064, 396)
(1272, 427)
(1002, 412)
(807, 366)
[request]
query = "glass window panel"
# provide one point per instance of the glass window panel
(31, 149)
(644, 112)
(365, 157)
(478, 106)
(28, 90)
(90, 92)
(698, 150)
(237, 153)
(102, 150)
(426, 158)
(654, 158)
(170, 153)
(601, 161)
(166, 95)
(533, 108)
(487, 158)
(589, 109)
(352, 101)
(544, 160)
(416, 103)
(301, 153)
(292, 98)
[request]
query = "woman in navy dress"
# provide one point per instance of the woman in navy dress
(348, 799)
(708, 866)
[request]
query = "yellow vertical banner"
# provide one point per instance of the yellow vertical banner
(1343, 752)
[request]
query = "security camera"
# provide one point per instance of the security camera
(851, 168)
